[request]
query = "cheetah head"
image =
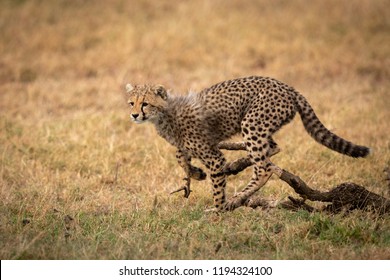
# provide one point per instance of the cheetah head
(146, 101)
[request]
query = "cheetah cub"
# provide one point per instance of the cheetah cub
(256, 107)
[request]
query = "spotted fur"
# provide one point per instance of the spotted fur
(256, 107)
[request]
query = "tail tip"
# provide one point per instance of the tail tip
(360, 151)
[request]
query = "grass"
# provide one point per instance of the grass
(79, 181)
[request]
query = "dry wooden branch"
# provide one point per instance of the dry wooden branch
(235, 146)
(296, 204)
(347, 196)
(235, 167)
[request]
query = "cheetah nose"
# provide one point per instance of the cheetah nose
(135, 116)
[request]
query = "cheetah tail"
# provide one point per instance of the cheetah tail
(322, 135)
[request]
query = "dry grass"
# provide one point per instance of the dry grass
(78, 181)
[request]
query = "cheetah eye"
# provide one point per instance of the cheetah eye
(131, 103)
(144, 104)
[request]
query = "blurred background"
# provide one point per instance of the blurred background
(193, 43)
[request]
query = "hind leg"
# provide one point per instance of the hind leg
(238, 165)
(260, 147)
(273, 147)
(261, 173)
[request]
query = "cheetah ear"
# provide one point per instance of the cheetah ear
(129, 88)
(161, 91)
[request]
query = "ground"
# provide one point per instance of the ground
(78, 180)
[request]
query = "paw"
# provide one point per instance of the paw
(185, 188)
(197, 173)
(233, 203)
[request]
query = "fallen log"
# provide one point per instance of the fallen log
(346, 196)
(234, 146)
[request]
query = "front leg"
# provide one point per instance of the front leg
(184, 161)
(215, 161)
(190, 171)
(197, 173)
